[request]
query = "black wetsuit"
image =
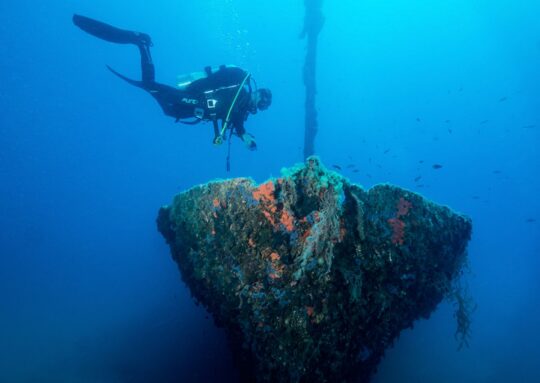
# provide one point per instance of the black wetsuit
(206, 99)
(210, 98)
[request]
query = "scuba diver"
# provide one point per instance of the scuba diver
(224, 93)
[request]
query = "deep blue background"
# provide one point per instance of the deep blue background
(88, 290)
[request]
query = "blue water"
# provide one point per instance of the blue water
(88, 290)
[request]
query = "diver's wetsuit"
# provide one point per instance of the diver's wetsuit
(206, 99)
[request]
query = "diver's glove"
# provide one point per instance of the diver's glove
(249, 141)
(218, 140)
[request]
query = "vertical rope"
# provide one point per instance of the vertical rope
(229, 151)
(313, 24)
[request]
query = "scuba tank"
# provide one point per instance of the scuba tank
(184, 80)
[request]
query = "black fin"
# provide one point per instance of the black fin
(138, 84)
(109, 33)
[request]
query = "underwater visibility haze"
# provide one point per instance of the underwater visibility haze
(441, 99)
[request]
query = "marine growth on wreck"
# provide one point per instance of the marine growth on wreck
(312, 276)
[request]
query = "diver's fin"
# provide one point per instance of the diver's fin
(109, 33)
(138, 84)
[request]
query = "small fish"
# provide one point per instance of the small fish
(336, 167)
(418, 119)
(450, 131)
(368, 175)
(416, 179)
(484, 122)
(350, 166)
(386, 151)
(475, 197)
(446, 121)
(436, 166)
(421, 161)
(460, 89)
(529, 126)
(503, 99)
(355, 171)
(530, 220)
(419, 185)
(497, 172)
